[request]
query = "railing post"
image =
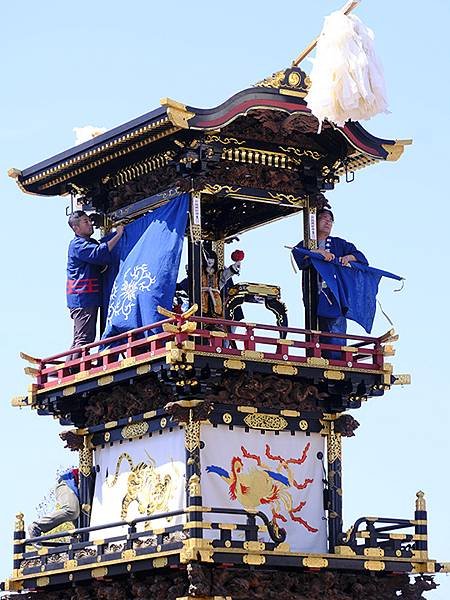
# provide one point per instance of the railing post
(420, 527)
(18, 544)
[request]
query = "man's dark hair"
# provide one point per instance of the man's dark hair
(325, 210)
(75, 217)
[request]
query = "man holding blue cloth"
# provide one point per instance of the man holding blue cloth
(331, 248)
(85, 261)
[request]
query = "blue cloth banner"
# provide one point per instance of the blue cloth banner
(350, 291)
(145, 268)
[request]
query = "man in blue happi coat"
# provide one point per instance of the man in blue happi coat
(329, 248)
(67, 499)
(85, 262)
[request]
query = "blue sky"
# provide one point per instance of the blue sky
(103, 63)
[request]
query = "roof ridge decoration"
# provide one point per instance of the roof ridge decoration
(291, 81)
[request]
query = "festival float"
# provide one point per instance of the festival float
(210, 460)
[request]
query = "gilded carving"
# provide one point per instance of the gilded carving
(265, 421)
(192, 435)
(274, 81)
(134, 430)
(334, 445)
(289, 198)
(86, 457)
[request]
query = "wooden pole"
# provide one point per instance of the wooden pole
(346, 9)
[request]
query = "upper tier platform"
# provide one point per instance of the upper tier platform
(190, 356)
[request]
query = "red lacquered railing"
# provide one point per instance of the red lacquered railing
(218, 337)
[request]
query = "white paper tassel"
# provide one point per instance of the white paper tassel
(347, 79)
(88, 132)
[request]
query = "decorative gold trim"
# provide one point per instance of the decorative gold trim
(247, 409)
(378, 552)
(297, 93)
(19, 524)
(252, 354)
(334, 375)
(396, 150)
(69, 390)
(192, 436)
(374, 565)
(314, 562)
(194, 486)
(106, 380)
(42, 581)
(99, 572)
(177, 113)
(193, 547)
(314, 361)
(344, 551)
(284, 369)
(297, 201)
(287, 412)
(158, 563)
(420, 501)
(273, 81)
(265, 421)
(134, 430)
(334, 445)
(254, 559)
(70, 564)
(215, 189)
(232, 363)
(86, 456)
(111, 146)
(227, 418)
(404, 379)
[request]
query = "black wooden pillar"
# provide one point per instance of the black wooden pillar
(334, 455)
(310, 291)
(195, 252)
(86, 483)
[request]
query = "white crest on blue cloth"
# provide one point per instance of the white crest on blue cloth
(136, 280)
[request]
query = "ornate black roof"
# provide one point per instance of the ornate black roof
(155, 135)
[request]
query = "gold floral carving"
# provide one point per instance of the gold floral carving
(225, 140)
(215, 189)
(334, 445)
(192, 436)
(194, 486)
(289, 198)
(19, 524)
(86, 457)
(265, 421)
(134, 430)
(274, 81)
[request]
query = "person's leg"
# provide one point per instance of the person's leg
(84, 327)
(338, 325)
(69, 511)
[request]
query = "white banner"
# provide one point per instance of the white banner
(280, 475)
(137, 478)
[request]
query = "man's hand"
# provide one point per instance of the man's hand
(328, 256)
(114, 240)
(346, 260)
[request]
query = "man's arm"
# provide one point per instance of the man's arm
(98, 254)
(113, 241)
(350, 253)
